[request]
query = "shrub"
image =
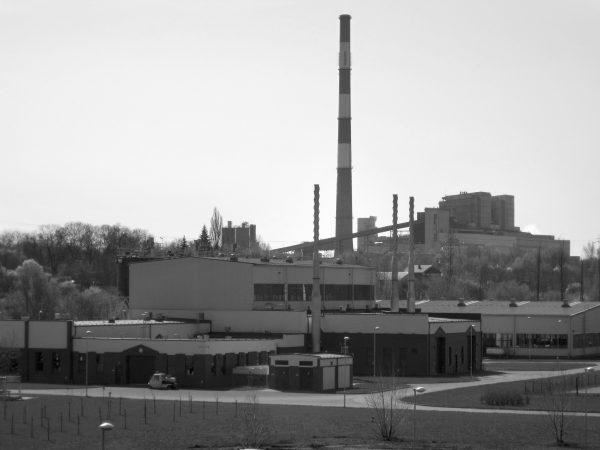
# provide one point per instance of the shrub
(504, 398)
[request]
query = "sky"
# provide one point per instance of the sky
(150, 113)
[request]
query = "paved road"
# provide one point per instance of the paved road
(273, 397)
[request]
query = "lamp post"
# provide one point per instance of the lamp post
(374, 350)
(105, 426)
(345, 349)
(471, 331)
(418, 389)
(87, 363)
(529, 339)
(587, 370)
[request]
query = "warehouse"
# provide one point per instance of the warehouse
(528, 329)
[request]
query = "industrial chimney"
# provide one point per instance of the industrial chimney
(343, 216)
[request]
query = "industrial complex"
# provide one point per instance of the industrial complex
(306, 324)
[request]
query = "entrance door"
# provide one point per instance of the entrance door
(440, 360)
(139, 369)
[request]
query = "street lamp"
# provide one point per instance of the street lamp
(374, 349)
(87, 362)
(529, 339)
(587, 370)
(471, 331)
(105, 426)
(345, 350)
(419, 389)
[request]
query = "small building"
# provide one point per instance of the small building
(319, 372)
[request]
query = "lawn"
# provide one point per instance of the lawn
(213, 425)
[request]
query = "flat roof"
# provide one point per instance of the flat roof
(117, 322)
(502, 307)
(259, 261)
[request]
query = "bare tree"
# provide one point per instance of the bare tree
(216, 229)
(255, 429)
(390, 412)
(557, 403)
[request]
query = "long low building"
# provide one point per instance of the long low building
(526, 329)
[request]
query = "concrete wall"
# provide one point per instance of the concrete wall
(12, 334)
(145, 330)
(48, 334)
(258, 321)
(365, 323)
(175, 346)
(190, 284)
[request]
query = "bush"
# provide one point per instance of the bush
(504, 398)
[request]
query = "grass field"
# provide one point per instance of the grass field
(215, 425)
(71, 422)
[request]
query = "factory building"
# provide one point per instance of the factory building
(526, 329)
(238, 238)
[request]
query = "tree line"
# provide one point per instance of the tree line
(484, 273)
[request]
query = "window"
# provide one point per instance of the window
(501, 340)
(281, 362)
(462, 354)
(99, 365)
(295, 293)
(55, 362)
(189, 365)
(269, 293)
(39, 361)
(336, 292)
(306, 363)
(364, 292)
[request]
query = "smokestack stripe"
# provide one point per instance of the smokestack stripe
(343, 223)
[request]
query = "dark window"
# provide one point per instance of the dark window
(39, 361)
(55, 362)
(341, 292)
(269, 292)
(99, 365)
(295, 293)
(281, 362)
(364, 292)
(306, 363)
(462, 354)
(308, 291)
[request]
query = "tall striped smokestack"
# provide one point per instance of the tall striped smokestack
(343, 216)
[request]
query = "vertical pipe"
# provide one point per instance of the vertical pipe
(343, 216)
(315, 305)
(411, 258)
(395, 303)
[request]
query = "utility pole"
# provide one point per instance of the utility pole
(411, 258)
(316, 294)
(539, 268)
(395, 304)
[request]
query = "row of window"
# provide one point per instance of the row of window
(505, 340)
(303, 292)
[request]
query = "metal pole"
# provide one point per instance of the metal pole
(414, 418)
(374, 351)
(471, 352)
